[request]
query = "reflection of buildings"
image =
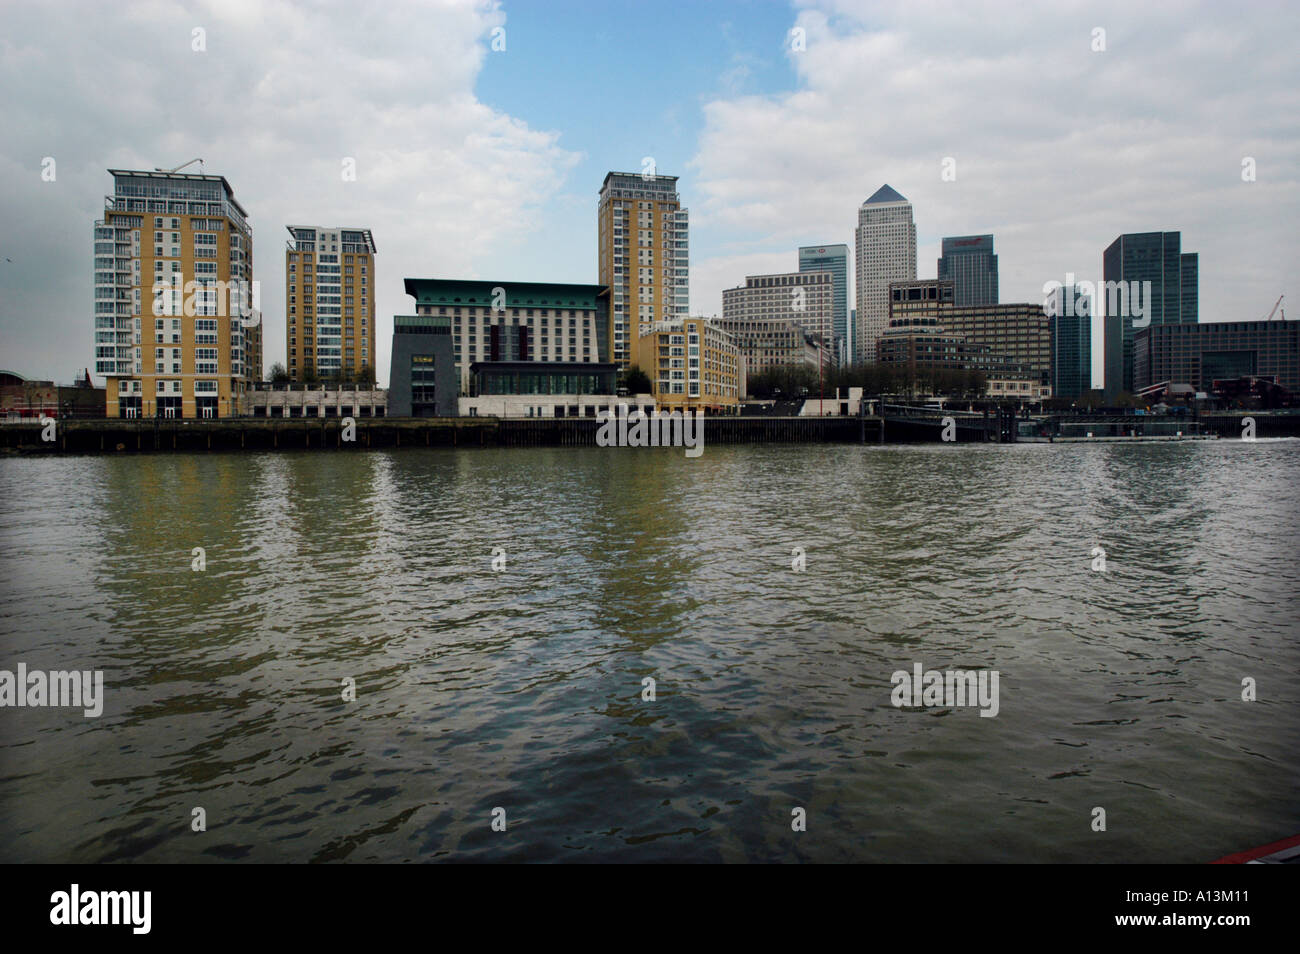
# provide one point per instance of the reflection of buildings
(1201, 353)
(1020, 331)
(20, 397)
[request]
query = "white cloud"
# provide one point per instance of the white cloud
(1058, 149)
(280, 96)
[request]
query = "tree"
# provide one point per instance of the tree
(636, 381)
(278, 374)
(366, 376)
(309, 375)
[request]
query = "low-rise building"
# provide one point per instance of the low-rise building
(24, 398)
(1021, 331)
(698, 364)
(804, 298)
(1202, 352)
(313, 400)
(767, 343)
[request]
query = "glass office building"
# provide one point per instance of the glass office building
(968, 260)
(1154, 257)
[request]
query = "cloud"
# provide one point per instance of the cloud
(1058, 149)
(281, 95)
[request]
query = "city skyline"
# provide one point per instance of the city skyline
(733, 126)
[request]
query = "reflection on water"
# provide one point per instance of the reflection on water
(522, 688)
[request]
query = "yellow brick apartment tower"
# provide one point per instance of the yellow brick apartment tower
(176, 333)
(643, 258)
(329, 281)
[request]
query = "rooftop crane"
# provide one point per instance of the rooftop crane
(180, 167)
(1274, 311)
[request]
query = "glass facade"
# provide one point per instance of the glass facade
(968, 260)
(1154, 257)
(543, 378)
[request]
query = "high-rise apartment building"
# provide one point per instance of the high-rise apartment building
(329, 280)
(833, 259)
(644, 258)
(973, 267)
(176, 333)
(886, 252)
(1129, 262)
(805, 298)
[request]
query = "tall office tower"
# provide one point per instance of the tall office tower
(644, 258)
(329, 280)
(1138, 257)
(804, 298)
(969, 261)
(1071, 324)
(833, 259)
(886, 252)
(175, 333)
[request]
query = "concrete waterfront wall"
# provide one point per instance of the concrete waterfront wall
(115, 435)
(163, 436)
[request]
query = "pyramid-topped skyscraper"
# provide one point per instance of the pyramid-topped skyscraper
(886, 252)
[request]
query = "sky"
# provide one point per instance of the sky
(1066, 125)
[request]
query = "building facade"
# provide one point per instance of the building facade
(177, 333)
(329, 280)
(833, 259)
(516, 321)
(643, 257)
(1154, 257)
(1200, 353)
(969, 261)
(1070, 317)
(696, 364)
(804, 298)
(423, 378)
(925, 347)
(886, 252)
(314, 400)
(1020, 331)
(767, 343)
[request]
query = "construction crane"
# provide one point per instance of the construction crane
(179, 168)
(1274, 311)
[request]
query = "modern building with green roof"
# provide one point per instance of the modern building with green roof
(462, 323)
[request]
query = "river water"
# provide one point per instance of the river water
(516, 681)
